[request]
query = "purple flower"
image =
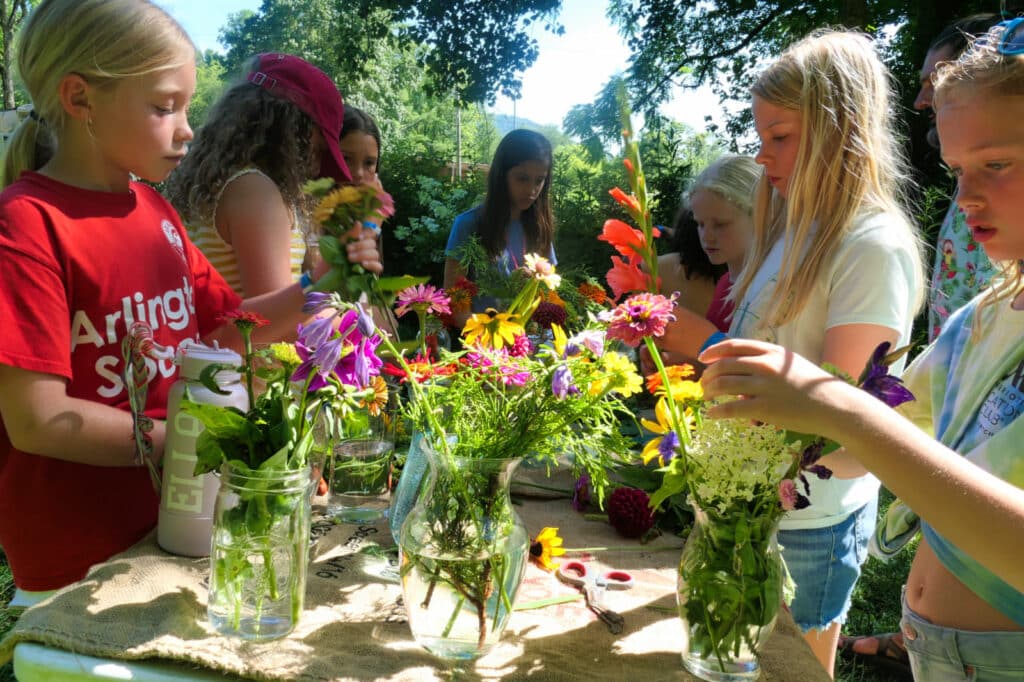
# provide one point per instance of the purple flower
(668, 446)
(365, 323)
(317, 301)
(562, 382)
(877, 381)
(639, 316)
(591, 339)
(581, 493)
(347, 355)
(316, 333)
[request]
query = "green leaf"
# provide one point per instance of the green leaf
(318, 186)
(330, 250)
(208, 377)
(395, 284)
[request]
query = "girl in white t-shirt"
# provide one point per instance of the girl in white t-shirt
(834, 270)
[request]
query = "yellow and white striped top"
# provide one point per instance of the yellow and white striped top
(222, 255)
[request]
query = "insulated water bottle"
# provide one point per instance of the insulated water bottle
(185, 521)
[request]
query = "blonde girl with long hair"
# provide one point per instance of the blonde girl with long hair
(954, 454)
(87, 250)
(834, 270)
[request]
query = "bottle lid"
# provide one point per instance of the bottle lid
(193, 357)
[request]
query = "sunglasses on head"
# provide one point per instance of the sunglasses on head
(1012, 41)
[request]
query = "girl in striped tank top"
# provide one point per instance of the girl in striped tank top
(239, 189)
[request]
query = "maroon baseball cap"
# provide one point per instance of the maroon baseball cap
(312, 91)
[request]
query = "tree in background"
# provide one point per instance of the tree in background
(471, 50)
(725, 44)
(12, 12)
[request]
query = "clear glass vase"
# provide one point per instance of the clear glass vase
(260, 552)
(731, 576)
(463, 554)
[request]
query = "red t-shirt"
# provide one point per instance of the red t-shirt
(720, 311)
(77, 266)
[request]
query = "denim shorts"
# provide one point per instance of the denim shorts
(940, 654)
(825, 564)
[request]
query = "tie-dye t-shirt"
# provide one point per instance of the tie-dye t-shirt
(970, 394)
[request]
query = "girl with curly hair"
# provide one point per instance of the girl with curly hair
(239, 189)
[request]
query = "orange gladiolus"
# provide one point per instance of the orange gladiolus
(629, 165)
(627, 241)
(625, 277)
(626, 200)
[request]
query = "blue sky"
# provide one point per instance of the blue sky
(570, 70)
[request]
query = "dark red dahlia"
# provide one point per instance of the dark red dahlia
(629, 512)
(548, 314)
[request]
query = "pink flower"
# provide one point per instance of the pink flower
(423, 298)
(789, 497)
(640, 315)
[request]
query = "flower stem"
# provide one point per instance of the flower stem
(622, 548)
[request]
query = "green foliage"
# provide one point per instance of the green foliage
(726, 43)
(471, 50)
(579, 195)
(211, 77)
(423, 232)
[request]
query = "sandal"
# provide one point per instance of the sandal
(889, 655)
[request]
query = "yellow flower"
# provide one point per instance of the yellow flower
(675, 374)
(559, 339)
(492, 329)
(686, 391)
(343, 195)
(620, 376)
(661, 427)
(285, 354)
(547, 544)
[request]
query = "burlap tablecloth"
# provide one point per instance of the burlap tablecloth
(145, 603)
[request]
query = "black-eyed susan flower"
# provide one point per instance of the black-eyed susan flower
(547, 544)
(492, 329)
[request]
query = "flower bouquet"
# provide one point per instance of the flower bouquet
(262, 514)
(478, 413)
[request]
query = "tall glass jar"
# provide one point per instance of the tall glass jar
(730, 587)
(260, 552)
(463, 554)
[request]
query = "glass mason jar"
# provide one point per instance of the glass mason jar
(730, 588)
(463, 554)
(260, 552)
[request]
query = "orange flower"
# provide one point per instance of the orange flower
(628, 201)
(593, 292)
(551, 296)
(625, 277)
(674, 372)
(627, 241)
(380, 396)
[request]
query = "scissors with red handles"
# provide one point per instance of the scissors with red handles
(577, 574)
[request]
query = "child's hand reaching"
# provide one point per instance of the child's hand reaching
(772, 384)
(364, 249)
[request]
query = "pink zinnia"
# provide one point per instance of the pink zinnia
(425, 298)
(639, 316)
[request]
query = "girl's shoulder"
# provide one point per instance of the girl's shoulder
(879, 229)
